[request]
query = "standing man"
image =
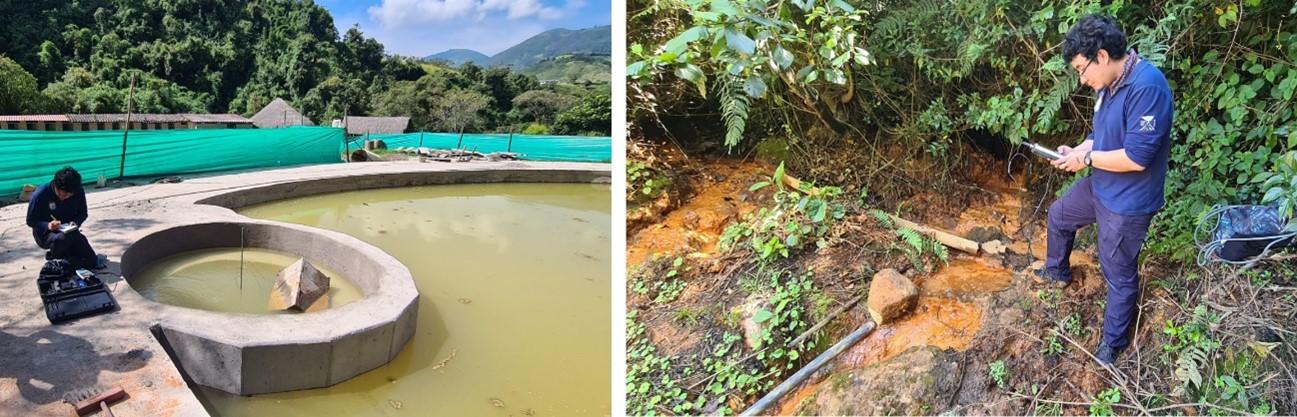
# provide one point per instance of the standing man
(1127, 154)
(52, 205)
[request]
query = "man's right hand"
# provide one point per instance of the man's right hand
(54, 225)
(1064, 150)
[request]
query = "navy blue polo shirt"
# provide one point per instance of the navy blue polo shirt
(1136, 117)
(45, 204)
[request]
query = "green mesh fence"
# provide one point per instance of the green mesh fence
(32, 157)
(532, 147)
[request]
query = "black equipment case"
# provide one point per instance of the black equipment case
(70, 294)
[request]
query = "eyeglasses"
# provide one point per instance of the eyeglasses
(1083, 70)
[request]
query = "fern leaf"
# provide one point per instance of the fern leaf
(882, 217)
(1187, 367)
(940, 250)
(1060, 94)
(911, 237)
(734, 109)
(970, 53)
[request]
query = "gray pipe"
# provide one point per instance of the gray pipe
(806, 371)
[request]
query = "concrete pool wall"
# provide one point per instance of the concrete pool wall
(244, 354)
(255, 354)
(150, 349)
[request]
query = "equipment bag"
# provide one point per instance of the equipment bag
(1242, 232)
(55, 269)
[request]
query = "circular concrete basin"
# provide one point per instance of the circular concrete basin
(252, 354)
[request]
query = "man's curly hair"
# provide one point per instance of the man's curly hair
(68, 180)
(1092, 33)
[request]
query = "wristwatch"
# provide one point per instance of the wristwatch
(1088, 162)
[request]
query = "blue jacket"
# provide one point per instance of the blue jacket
(1138, 118)
(45, 203)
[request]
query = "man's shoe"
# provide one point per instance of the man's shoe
(1106, 355)
(1045, 278)
(101, 261)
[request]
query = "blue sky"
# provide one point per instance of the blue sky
(425, 27)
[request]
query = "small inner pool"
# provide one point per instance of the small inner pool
(514, 307)
(230, 280)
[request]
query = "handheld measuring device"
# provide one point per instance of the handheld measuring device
(1044, 152)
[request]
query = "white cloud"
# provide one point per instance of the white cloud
(520, 9)
(574, 4)
(401, 13)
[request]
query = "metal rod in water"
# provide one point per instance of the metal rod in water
(241, 230)
(796, 379)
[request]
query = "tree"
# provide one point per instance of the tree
(51, 61)
(496, 80)
(18, 94)
(459, 109)
(406, 98)
(360, 54)
(399, 68)
(471, 71)
(542, 106)
(592, 117)
(572, 73)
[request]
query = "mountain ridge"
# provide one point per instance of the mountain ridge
(545, 45)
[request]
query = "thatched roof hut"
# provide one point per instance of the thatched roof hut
(280, 114)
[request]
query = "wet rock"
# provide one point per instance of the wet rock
(713, 221)
(691, 219)
(751, 329)
(1267, 335)
(891, 296)
(920, 381)
(986, 234)
(299, 286)
(993, 247)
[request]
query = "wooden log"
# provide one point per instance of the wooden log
(946, 238)
(796, 184)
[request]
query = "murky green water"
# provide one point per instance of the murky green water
(514, 313)
(227, 279)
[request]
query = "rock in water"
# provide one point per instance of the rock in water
(299, 286)
(891, 296)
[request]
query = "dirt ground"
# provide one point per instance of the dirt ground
(986, 308)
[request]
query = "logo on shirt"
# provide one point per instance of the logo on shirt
(1147, 124)
(52, 205)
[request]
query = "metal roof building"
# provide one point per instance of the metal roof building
(117, 121)
(357, 125)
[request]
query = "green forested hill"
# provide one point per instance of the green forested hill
(234, 56)
(573, 69)
(195, 55)
(548, 45)
(554, 43)
(460, 56)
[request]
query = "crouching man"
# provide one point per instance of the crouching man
(53, 207)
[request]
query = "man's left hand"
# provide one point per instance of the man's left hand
(1071, 162)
